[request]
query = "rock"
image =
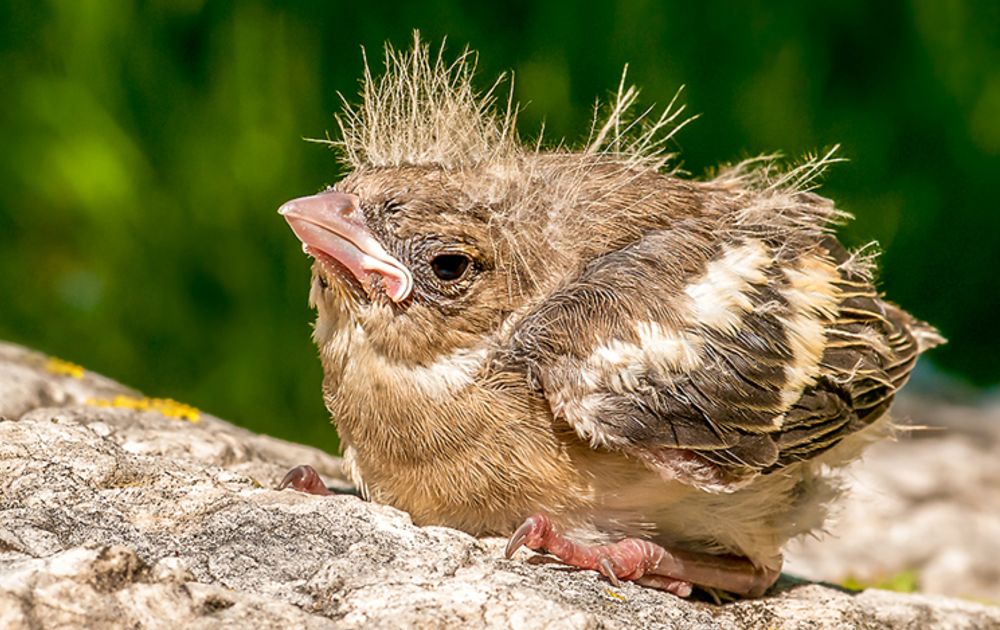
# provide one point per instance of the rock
(117, 511)
(926, 505)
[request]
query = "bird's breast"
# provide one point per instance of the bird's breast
(442, 443)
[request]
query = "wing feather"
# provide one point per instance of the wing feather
(736, 350)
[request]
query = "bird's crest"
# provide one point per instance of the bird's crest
(425, 109)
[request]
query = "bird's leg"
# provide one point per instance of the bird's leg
(646, 563)
(304, 479)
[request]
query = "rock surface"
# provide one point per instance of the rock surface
(927, 505)
(119, 512)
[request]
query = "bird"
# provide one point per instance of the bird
(582, 348)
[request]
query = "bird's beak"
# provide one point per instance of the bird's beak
(331, 224)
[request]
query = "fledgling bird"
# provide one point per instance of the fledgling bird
(638, 373)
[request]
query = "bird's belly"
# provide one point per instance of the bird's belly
(486, 487)
(473, 499)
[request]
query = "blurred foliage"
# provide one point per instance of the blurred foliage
(147, 144)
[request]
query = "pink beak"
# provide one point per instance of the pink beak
(331, 223)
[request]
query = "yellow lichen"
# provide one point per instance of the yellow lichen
(902, 582)
(63, 368)
(165, 406)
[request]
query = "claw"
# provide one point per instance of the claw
(680, 588)
(534, 533)
(517, 539)
(290, 477)
(304, 479)
(608, 571)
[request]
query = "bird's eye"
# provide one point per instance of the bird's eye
(450, 267)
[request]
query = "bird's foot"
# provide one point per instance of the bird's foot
(304, 479)
(646, 563)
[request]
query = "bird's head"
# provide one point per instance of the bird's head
(447, 224)
(416, 256)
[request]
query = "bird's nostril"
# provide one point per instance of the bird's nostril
(345, 205)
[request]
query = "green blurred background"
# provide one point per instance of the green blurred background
(146, 146)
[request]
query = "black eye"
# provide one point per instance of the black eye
(450, 267)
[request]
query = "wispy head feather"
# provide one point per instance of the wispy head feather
(635, 138)
(424, 109)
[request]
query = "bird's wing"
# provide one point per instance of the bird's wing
(717, 358)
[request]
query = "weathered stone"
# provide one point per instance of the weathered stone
(927, 504)
(122, 517)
